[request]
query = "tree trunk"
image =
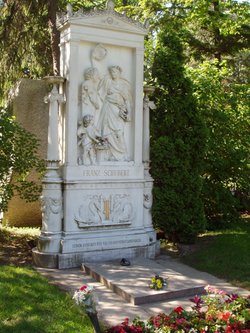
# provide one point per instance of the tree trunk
(55, 35)
(217, 36)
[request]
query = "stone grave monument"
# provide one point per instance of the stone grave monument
(97, 192)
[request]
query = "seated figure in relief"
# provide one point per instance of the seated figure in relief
(88, 139)
(89, 94)
(115, 111)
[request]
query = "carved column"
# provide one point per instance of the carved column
(52, 184)
(147, 203)
(147, 105)
(54, 99)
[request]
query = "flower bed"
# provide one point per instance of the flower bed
(215, 312)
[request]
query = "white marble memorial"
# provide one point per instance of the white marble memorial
(98, 191)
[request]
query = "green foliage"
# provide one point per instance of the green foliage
(24, 43)
(224, 107)
(29, 304)
(28, 43)
(214, 36)
(225, 254)
(178, 137)
(18, 157)
(216, 29)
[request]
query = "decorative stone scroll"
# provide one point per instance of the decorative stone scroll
(98, 210)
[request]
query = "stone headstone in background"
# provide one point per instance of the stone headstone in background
(32, 114)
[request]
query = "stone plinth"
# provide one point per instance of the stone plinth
(132, 282)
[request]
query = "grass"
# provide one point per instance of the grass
(29, 304)
(22, 232)
(226, 254)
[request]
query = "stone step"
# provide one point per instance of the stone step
(132, 282)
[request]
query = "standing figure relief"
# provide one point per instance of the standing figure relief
(115, 111)
(106, 107)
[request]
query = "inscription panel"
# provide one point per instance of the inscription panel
(122, 172)
(105, 173)
(81, 245)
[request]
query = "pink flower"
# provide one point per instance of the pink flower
(180, 321)
(209, 289)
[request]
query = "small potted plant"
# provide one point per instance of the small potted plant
(84, 297)
(158, 283)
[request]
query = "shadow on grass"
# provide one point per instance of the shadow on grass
(224, 254)
(29, 304)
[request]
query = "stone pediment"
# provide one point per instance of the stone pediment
(107, 19)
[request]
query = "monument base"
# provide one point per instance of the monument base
(75, 249)
(71, 260)
(45, 260)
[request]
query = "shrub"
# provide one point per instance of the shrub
(177, 146)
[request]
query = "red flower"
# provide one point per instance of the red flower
(224, 315)
(126, 321)
(83, 288)
(178, 310)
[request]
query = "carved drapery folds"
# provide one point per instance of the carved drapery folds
(106, 105)
(49, 206)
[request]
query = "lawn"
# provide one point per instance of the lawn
(226, 254)
(28, 303)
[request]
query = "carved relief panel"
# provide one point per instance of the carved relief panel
(106, 107)
(99, 210)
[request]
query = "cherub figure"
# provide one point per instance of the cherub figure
(90, 98)
(88, 138)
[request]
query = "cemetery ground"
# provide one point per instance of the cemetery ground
(28, 303)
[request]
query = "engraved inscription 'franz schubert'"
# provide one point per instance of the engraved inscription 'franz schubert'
(105, 173)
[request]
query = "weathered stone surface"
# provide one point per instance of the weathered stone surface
(31, 113)
(103, 206)
(132, 282)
